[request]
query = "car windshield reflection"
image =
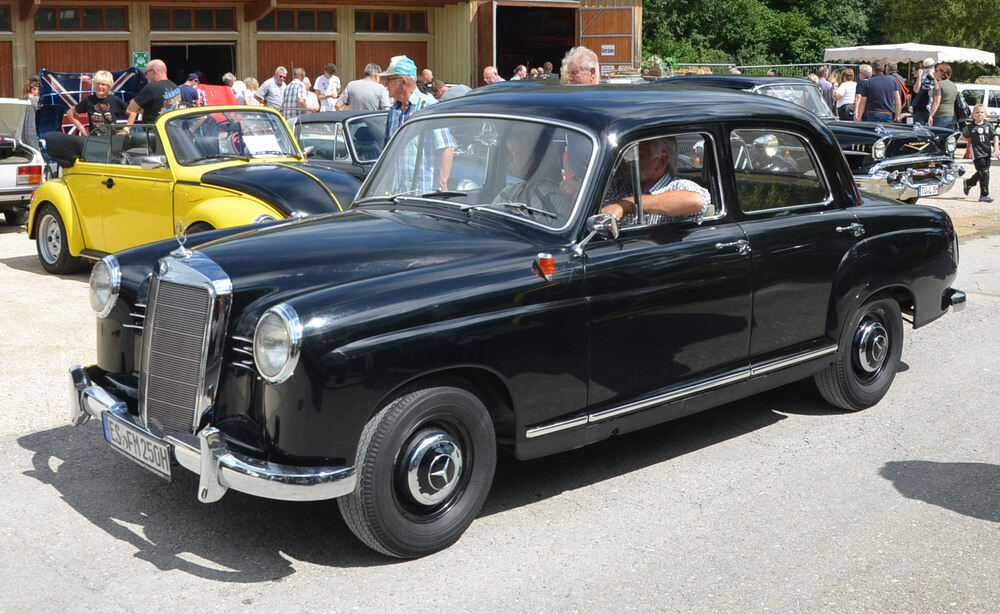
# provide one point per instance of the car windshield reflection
(218, 135)
(805, 95)
(529, 170)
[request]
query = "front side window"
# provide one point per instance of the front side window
(200, 138)
(667, 179)
(367, 136)
(527, 170)
(775, 170)
(327, 139)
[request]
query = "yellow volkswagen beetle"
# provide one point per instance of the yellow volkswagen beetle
(207, 167)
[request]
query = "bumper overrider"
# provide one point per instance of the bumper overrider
(207, 454)
(887, 179)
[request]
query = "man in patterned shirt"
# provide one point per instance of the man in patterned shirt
(400, 78)
(665, 198)
(293, 102)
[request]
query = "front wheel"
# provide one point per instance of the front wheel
(911, 201)
(870, 348)
(425, 463)
(52, 244)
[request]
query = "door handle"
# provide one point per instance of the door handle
(742, 246)
(109, 182)
(855, 229)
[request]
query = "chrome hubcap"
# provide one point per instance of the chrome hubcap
(872, 343)
(51, 239)
(432, 466)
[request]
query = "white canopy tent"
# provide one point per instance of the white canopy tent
(908, 52)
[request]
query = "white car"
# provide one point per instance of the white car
(982, 93)
(22, 168)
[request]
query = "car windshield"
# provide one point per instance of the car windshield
(485, 165)
(805, 95)
(217, 135)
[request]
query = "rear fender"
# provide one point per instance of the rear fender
(55, 193)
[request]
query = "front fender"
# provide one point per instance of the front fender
(54, 192)
(229, 211)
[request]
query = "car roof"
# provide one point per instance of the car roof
(324, 117)
(741, 82)
(618, 109)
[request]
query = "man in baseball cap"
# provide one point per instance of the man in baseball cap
(400, 78)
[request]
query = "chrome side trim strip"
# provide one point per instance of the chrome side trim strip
(673, 395)
(788, 361)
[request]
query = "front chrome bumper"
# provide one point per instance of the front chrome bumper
(207, 455)
(907, 183)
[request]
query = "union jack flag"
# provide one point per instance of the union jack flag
(62, 90)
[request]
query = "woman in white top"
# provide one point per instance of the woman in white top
(844, 95)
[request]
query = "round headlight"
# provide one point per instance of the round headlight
(950, 143)
(105, 279)
(768, 144)
(276, 343)
(878, 150)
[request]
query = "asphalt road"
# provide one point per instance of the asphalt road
(776, 503)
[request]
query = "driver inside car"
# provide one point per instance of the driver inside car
(665, 198)
(536, 159)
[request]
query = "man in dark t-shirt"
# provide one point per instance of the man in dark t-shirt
(881, 101)
(159, 95)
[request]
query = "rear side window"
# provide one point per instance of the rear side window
(775, 170)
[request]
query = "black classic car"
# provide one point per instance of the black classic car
(895, 160)
(508, 307)
(345, 141)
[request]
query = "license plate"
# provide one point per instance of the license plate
(148, 451)
(927, 190)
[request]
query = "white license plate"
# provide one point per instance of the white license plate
(927, 190)
(148, 451)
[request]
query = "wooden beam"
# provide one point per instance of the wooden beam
(254, 11)
(29, 8)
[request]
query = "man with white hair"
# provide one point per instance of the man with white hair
(490, 75)
(580, 66)
(401, 80)
(366, 93)
(272, 91)
(665, 197)
(237, 85)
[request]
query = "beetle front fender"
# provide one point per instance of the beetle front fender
(228, 211)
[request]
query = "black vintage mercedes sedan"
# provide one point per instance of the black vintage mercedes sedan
(895, 160)
(481, 293)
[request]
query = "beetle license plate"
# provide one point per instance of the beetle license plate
(927, 190)
(148, 451)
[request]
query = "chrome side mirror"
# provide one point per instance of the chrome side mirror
(151, 162)
(309, 151)
(603, 225)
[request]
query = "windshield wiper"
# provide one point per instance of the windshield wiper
(283, 154)
(414, 194)
(511, 205)
(443, 194)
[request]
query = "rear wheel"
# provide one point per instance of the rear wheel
(425, 464)
(51, 243)
(870, 348)
(199, 227)
(15, 217)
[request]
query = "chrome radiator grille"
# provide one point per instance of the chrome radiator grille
(181, 342)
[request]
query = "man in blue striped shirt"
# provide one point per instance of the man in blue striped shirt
(400, 78)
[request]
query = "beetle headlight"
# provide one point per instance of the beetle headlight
(105, 280)
(277, 341)
(768, 144)
(878, 150)
(950, 143)
(260, 219)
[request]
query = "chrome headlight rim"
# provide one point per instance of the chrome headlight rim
(292, 326)
(108, 273)
(950, 144)
(261, 219)
(878, 149)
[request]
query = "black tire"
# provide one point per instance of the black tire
(425, 463)
(15, 217)
(51, 243)
(911, 201)
(870, 348)
(199, 227)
